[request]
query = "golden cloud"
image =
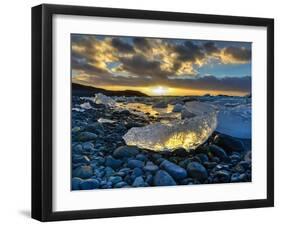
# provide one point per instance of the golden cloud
(149, 59)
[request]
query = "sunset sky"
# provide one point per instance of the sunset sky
(158, 66)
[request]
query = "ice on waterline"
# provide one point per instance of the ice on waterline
(188, 133)
(103, 99)
(236, 121)
(86, 105)
(104, 120)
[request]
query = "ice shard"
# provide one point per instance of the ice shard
(105, 100)
(236, 121)
(188, 133)
(86, 105)
(104, 120)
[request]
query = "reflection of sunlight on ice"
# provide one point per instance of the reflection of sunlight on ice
(147, 109)
(181, 139)
(187, 133)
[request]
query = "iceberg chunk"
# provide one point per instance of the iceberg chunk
(86, 105)
(105, 100)
(104, 120)
(188, 133)
(236, 122)
(199, 108)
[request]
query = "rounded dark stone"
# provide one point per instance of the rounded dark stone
(229, 143)
(150, 167)
(86, 136)
(203, 157)
(115, 179)
(95, 127)
(136, 173)
(149, 179)
(162, 178)
(139, 182)
(141, 157)
(78, 149)
(218, 151)
(121, 184)
(197, 171)
(223, 176)
(108, 171)
(88, 147)
(235, 177)
(184, 163)
(83, 172)
(89, 184)
(125, 152)
(210, 165)
(112, 162)
(181, 152)
(174, 170)
(75, 183)
(80, 159)
(134, 163)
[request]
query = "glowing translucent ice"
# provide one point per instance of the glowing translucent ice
(103, 99)
(188, 133)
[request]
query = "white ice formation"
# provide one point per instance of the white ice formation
(104, 120)
(86, 105)
(236, 121)
(105, 100)
(188, 133)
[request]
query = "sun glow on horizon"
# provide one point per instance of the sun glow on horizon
(163, 90)
(159, 90)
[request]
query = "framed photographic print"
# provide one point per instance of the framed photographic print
(145, 112)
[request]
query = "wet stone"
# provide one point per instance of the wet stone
(229, 143)
(125, 152)
(174, 170)
(86, 136)
(134, 163)
(139, 182)
(83, 172)
(89, 184)
(115, 179)
(218, 151)
(150, 167)
(222, 175)
(162, 178)
(75, 183)
(197, 171)
(112, 162)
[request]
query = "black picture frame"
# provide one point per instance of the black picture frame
(42, 107)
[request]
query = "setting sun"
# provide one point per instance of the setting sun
(159, 90)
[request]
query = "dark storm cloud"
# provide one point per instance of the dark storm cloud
(139, 65)
(82, 40)
(189, 52)
(210, 48)
(81, 64)
(241, 54)
(241, 84)
(122, 46)
(141, 43)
